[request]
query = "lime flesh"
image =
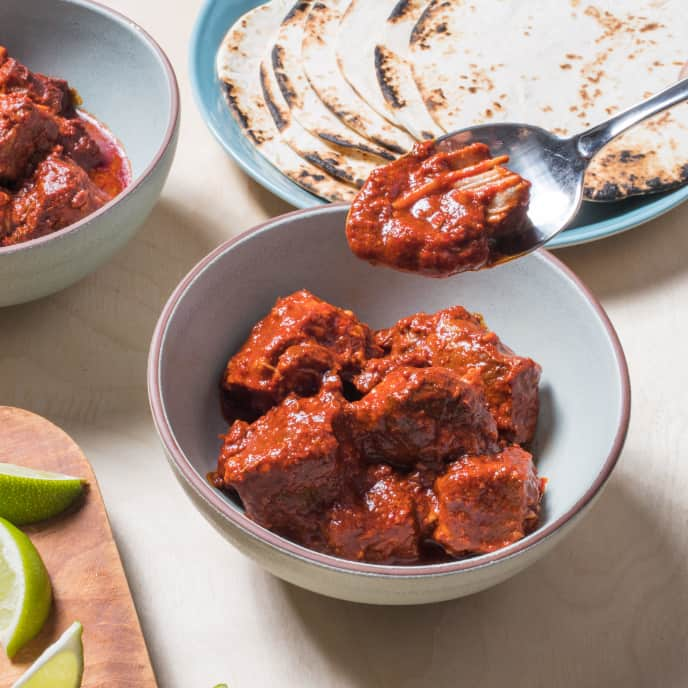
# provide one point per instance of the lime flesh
(60, 666)
(27, 496)
(25, 592)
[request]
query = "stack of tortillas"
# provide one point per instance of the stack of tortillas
(328, 90)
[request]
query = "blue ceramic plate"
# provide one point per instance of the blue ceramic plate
(594, 221)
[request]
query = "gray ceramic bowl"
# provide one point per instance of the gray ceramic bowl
(126, 81)
(535, 304)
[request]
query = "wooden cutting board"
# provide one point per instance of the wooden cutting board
(81, 556)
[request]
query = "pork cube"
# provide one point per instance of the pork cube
(59, 194)
(289, 351)
(380, 527)
(459, 340)
(53, 93)
(420, 415)
(287, 466)
(437, 212)
(487, 502)
(78, 144)
(27, 131)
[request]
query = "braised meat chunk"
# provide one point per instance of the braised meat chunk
(44, 90)
(27, 131)
(289, 350)
(436, 212)
(287, 466)
(487, 502)
(420, 415)
(56, 165)
(382, 525)
(459, 340)
(417, 468)
(78, 144)
(59, 194)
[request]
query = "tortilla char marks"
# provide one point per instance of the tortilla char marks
(627, 156)
(280, 117)
(622, 173)
(242, 116)
(294, 15)
(312, 181)
(612, 191)
(330, 166)
(400, 10)
(630, 23)
(606, 20)
(609, 192)
(427, 26)
(436, 99)
(290, 95)
(385, 77)
(346, 115)
(360, 148)
(304, 176)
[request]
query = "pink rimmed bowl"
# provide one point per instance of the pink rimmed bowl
(535, 304)
(127, 82)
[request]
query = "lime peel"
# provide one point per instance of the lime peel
(25, 591)
(28, 495)
(60, 666)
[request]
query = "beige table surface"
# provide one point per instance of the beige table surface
(609, 607)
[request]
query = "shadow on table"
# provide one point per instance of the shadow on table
(637, 260)
(608, 607)
(272, 205)
(92, 339)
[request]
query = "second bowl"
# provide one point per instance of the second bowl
(127, 82)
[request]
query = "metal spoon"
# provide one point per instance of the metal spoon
(554, 166)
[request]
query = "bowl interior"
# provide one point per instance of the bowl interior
(534, 305)
(120, 76)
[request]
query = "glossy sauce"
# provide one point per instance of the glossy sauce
(58, 165)
(437, 213)
(113, 175)
(395, 447)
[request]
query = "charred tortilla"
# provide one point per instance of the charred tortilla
(238, 64)
(318, 52)
(393, 70)
(305, 105)
(565, 66)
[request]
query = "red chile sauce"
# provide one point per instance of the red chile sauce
(113, 175)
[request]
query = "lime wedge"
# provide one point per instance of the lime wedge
(60, 666)
(27, 496)
(25, 592)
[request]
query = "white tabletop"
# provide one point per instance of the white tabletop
(608, 607)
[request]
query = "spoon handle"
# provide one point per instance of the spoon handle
(590, 141)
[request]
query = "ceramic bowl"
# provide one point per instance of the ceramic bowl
(127, 82)
(536, 305)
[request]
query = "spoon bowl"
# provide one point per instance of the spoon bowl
(551, 164)
(554, 166)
